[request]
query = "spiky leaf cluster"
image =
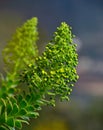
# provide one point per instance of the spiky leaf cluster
(44, 77)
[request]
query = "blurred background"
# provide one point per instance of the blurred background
(84, 111)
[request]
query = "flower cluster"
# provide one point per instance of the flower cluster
(22, 49)
(54, 73)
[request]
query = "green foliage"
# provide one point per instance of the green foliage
(33, 81)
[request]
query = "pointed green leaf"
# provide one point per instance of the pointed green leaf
(24, 121)
(15, 109)
(18, 124)
(25, 117)
(23, 104)
(33, 114)
(9, 106)
(11, 122)
(22, 112)
(30, 108)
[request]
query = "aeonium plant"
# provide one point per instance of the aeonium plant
(33, 81)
